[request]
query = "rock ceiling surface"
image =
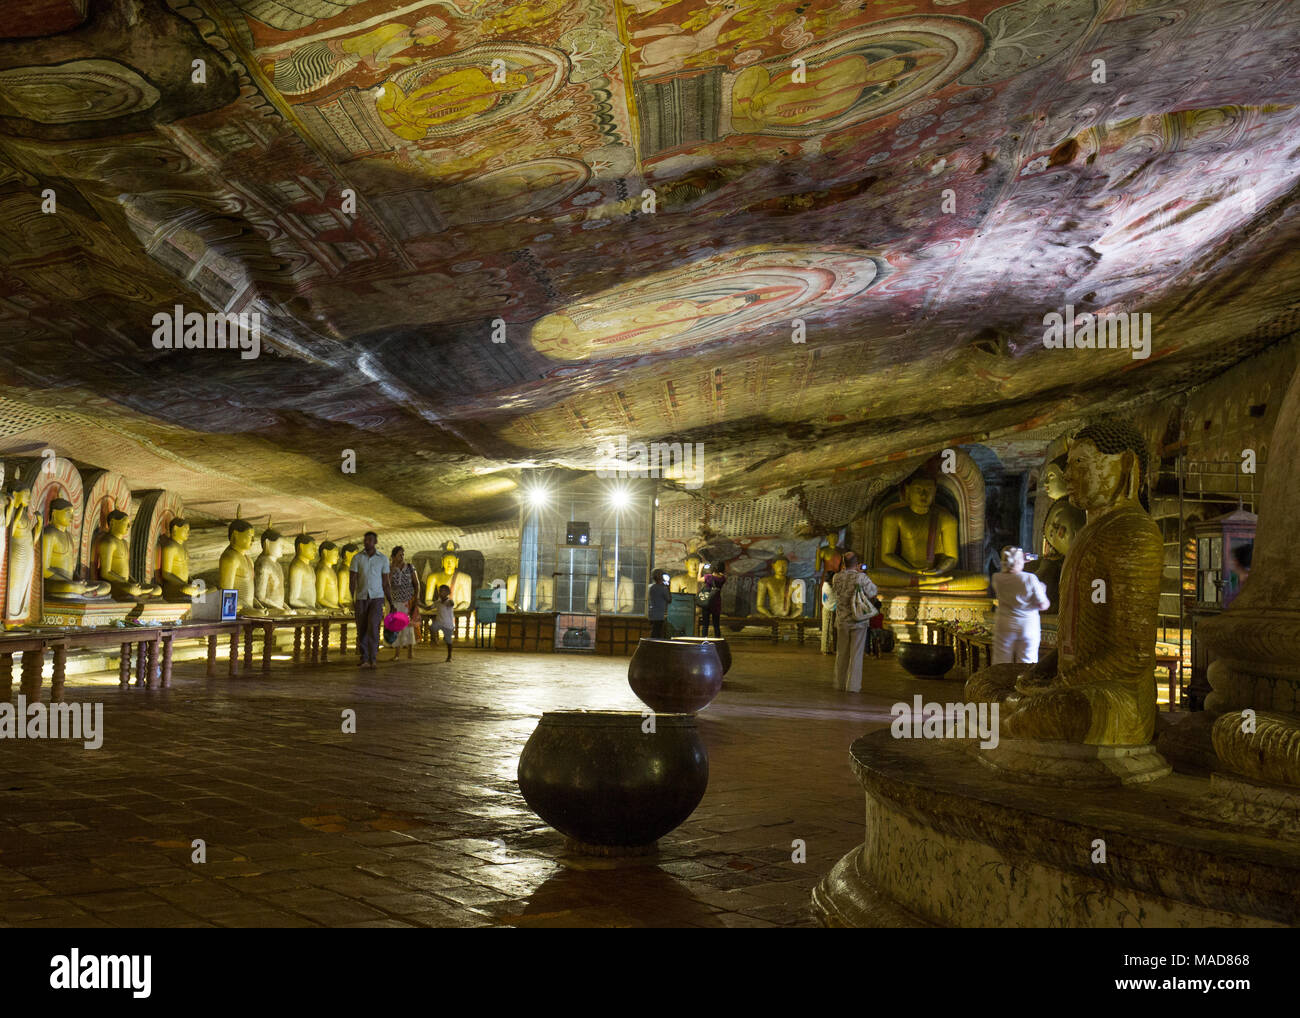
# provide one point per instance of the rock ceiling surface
(393, 184)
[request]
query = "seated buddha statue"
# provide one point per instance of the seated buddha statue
(174, 563)
(268, 575)
(777, 598)
(24, 531)
(60, 559)
(600, 595)
(113, 561)
(235, 567)
(302, 573)
(346, 554)
(461, 584)
(1062, 523)
(828, 555)
(1098, 686)
(687, 582)
(327, 577)
(918, 543)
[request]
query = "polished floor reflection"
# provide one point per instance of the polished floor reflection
(415, 820)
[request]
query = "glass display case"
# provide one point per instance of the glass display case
(1223, 550)
(606, 570)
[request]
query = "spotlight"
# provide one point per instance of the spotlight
(538, 497)
(619, 498)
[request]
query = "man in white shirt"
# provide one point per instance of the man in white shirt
(369, 579)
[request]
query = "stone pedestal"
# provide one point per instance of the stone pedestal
(92, 612)
(909, 614)
(1074, 765)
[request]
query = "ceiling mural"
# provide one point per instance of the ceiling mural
(813, 234)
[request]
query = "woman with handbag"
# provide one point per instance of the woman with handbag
(853, 591)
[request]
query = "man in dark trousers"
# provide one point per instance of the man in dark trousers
(369, 581)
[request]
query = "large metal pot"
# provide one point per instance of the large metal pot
(613, 780)
(926, 660)
(675, 676)
(720, 644)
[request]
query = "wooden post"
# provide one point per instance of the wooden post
(141, 662)
(297, 644)
(325, 644)
(153, 665)
(7, 674)
(212, 654)
(343, 639)
(166, 681)
(268, 645)
(33, 666)
(124, 667)
(60, 670)
(248, 647)
(234, 653)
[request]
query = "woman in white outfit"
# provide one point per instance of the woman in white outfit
(853, 589)
(1021, 596)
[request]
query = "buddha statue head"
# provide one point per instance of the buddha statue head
(240, 535)
(61, 513)
(919, 491)
(450, 560)
(1062, 523)
(329, 553)
(780, 566)
(304, 547)
(118, 522)
(272, 543)
(1052, 483)
(692, 564)
(1106, 466)
(347, 553)
(179, 530)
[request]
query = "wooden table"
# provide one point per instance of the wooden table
(738, 622)
(311, 637)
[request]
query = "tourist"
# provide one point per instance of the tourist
(369, 582)
(1021, 596)
(403, 584)
(445, 623)
(853, 591)
(876, 629)
(712, 609)
(657, 611)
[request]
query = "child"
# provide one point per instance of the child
(876, 628)
(445, 623)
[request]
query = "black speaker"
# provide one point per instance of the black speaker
(578, 533)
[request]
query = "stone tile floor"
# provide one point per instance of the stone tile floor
(416, 819)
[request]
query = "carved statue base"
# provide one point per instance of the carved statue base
(85, 612)
(164, 612)
(1074, 765)
(1264, 810)
(951, 844)
(911, 614)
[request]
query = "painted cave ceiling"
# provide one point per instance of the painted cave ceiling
(392, 185)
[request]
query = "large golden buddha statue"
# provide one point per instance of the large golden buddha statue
(302, 574)
(24, 531)
(113, 561)
(688, 581)
(462, 586)
(174, 563)
(777, 598)
(918, 543)
(327, 577)
(235, 567)
(1098, 686)
(268, 575)
(60, 560)
(343, 573)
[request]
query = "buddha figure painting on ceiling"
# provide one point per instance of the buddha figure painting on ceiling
(60, 563)
(113, 561)
(918, 547)
(1098, 687)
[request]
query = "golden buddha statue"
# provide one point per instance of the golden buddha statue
(776, 593)
(174, 563)
(828, 555)
(600, 595)
(918, 543)
(1063, 522)
(302, 573)
(343, 574)
(462, 586)
(268, 575)
(24, 531)
(60, 563)
(327, 577)
(113, 561)
(687, 582)
(236, 568)
(1098, 686)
